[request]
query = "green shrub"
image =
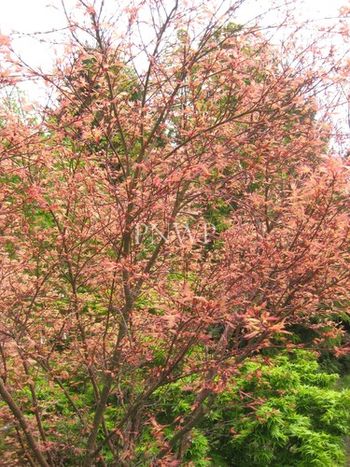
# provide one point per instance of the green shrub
(285, 412)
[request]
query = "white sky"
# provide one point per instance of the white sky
(28, 16)
(36, 15)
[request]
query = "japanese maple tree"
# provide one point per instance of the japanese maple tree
(174, 210)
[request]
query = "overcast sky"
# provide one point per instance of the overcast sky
(32, 15)
(28, 16)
